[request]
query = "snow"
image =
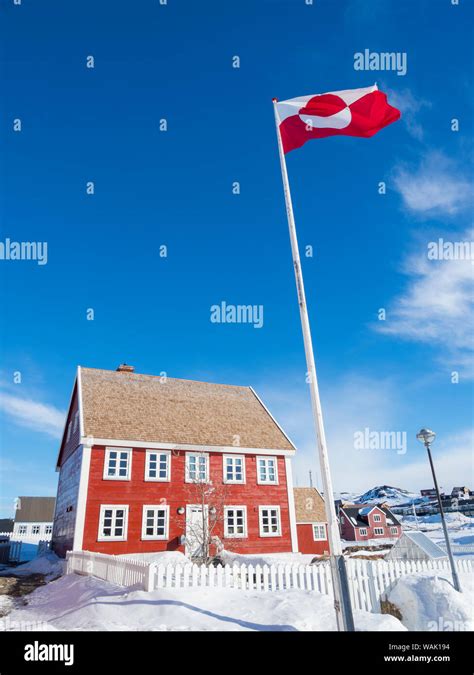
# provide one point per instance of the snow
(386, 493)
(460, 529)
(6, 604)
(454, 519)
(429, 602)
(230, 558)
(48, 564)
(364, 552)
(84, 603)
(160, 557)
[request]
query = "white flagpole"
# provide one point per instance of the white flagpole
(342, 603)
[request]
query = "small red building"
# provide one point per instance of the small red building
(311, 521)
(136, 449)
(360, 522)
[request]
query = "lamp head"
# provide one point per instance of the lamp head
(426, 436)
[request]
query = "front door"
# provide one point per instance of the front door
(196, 530)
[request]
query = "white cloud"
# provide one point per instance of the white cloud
(410, 107)
(453, 460)
(437, 307)
(350, 405)
(33, 414)
(435, 187)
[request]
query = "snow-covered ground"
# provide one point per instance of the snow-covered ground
(227, 557)
(426, 601)
(460, 529)
(230, 558)
(48, 564)
(84, 603)
(161, 557)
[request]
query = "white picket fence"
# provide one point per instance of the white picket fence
(30, 538)
(369, 580)
(120, 571)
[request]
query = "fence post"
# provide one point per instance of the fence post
(374, 600)
(150, 577)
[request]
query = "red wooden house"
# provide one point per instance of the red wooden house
(360, 522)
(311, 521)
(135, 446)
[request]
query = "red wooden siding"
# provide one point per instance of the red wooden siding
(176, 493)
(306, 543)
(351, 533)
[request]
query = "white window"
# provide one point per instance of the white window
(22, 529)
(155, 522)
(157, 466)
(113, 522)
(267, 473)
(378, 531)
(319, 532)
(377, 518)
(270, 522)
(35, 529)
(48, 529)
(363, 531)
(197, 467)
(394, 530)
(117, 465)
(235, 521)
(234, 469)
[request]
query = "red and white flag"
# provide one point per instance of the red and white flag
(353, 112)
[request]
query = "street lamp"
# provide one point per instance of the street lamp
(426, 436)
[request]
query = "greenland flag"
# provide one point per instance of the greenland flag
(353, 112)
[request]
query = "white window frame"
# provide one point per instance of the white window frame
(110, 449)
(319, 525)
(363, 531)
(48, 529)
(233, 481)
(377, 518)
(168, 466)
(272, 507)
(22, 529)
(156, 507)
(267, 458)
(187, 477)
(378, 534)
(103, 508)
(36, 529)
(393, 529)
(226, 531)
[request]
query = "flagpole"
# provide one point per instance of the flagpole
(342, 603)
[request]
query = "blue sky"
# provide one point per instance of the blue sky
(174, 188)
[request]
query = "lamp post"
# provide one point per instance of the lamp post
(426, 436)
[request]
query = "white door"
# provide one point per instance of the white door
(194, 529)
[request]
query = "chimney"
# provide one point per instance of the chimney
(124, 368)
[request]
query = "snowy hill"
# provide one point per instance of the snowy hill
(386, 493)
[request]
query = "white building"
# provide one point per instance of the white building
(33, 518)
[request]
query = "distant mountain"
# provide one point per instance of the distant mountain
(386, 493)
